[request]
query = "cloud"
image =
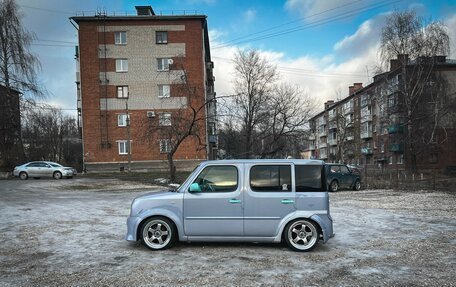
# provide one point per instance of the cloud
(451, 24)
(367, 35)
(325, 8)
(249, 15)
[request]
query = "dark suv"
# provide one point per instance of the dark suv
(341, 176)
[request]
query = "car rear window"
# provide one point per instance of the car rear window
(308, 178)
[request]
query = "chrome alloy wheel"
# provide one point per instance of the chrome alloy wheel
(302, 235)
(157, 234)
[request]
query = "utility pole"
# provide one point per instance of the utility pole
(128, 135)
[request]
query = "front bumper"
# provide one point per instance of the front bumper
(132, 227)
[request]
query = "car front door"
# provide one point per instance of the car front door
(214, 207)
(269, 197)
(33, 169)
(346, 176)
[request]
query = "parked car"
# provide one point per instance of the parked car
(341, 176)
(38, 169)
(355, 168)
(238, 200)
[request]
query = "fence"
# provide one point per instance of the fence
(400, 179)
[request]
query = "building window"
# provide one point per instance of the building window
(161, 37)
(165, 146)
(121, 65)
(163, 64)
(164, 119)
(382, 147)
(433, 158)
(120, 38)
(390, 159)
(122, 92)
(400, 159)
(124, 147)
(163, 91)
(122, 120)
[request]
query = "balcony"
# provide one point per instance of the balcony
(349, 110)
(366, 151)
(349, 138)
(333, 125)
(332, 141)
(311, 146)
(396, 148)
(322, 145)
(323, 155)
(366, 135)
(322, 121)
(366, 118)
(312, 136)
(322, 133)
(394, 129)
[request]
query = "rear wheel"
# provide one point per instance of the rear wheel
(357, 185)
(301, 235)
(57, 175)
(334, 186)
(23, 175)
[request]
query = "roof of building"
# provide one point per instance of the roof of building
(78, 19)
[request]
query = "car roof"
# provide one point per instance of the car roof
(263, 161)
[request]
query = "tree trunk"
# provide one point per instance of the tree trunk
(172, 168)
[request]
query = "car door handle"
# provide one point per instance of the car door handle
(287, 201)
(234, 200)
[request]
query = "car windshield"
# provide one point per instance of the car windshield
(190, 175)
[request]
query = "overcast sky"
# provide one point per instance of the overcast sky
(323, 46)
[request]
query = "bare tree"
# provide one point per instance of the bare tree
(417, 46)
(287, 112)
(17, 72)
(254, 79)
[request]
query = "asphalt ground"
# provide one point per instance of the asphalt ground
(71, 233)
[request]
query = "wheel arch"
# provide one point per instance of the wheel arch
(159, 213)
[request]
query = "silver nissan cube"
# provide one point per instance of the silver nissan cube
(238, 200)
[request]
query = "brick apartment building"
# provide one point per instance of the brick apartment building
(369, 127)
(130, 73)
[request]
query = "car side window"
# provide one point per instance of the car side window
(34, 164)
(335, 168)
(270, 178)
(218, 179)
(308, 178)
(344, 169)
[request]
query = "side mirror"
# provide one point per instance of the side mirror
(194, 188)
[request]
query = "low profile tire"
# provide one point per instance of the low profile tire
(357, 185)
(57, 175)
(23, 175)
(301, 235)
(334, 186)
(158, 233)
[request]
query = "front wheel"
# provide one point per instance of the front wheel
(23, 175)
(301, 235)
(334, 186)
(57, 175)
(158, 233)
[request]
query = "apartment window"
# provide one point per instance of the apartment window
(164, 119)
(124, 147)
(390, 159)
(400, 159)
(122, 120)
(163, 64)
(382, 147)
(121, 65)
(433, 158)
(161, 37)
(163, 91)
(120, 38)
(122, 92)
(165, 146)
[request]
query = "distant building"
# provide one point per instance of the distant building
(369, 126)
(125, 59)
